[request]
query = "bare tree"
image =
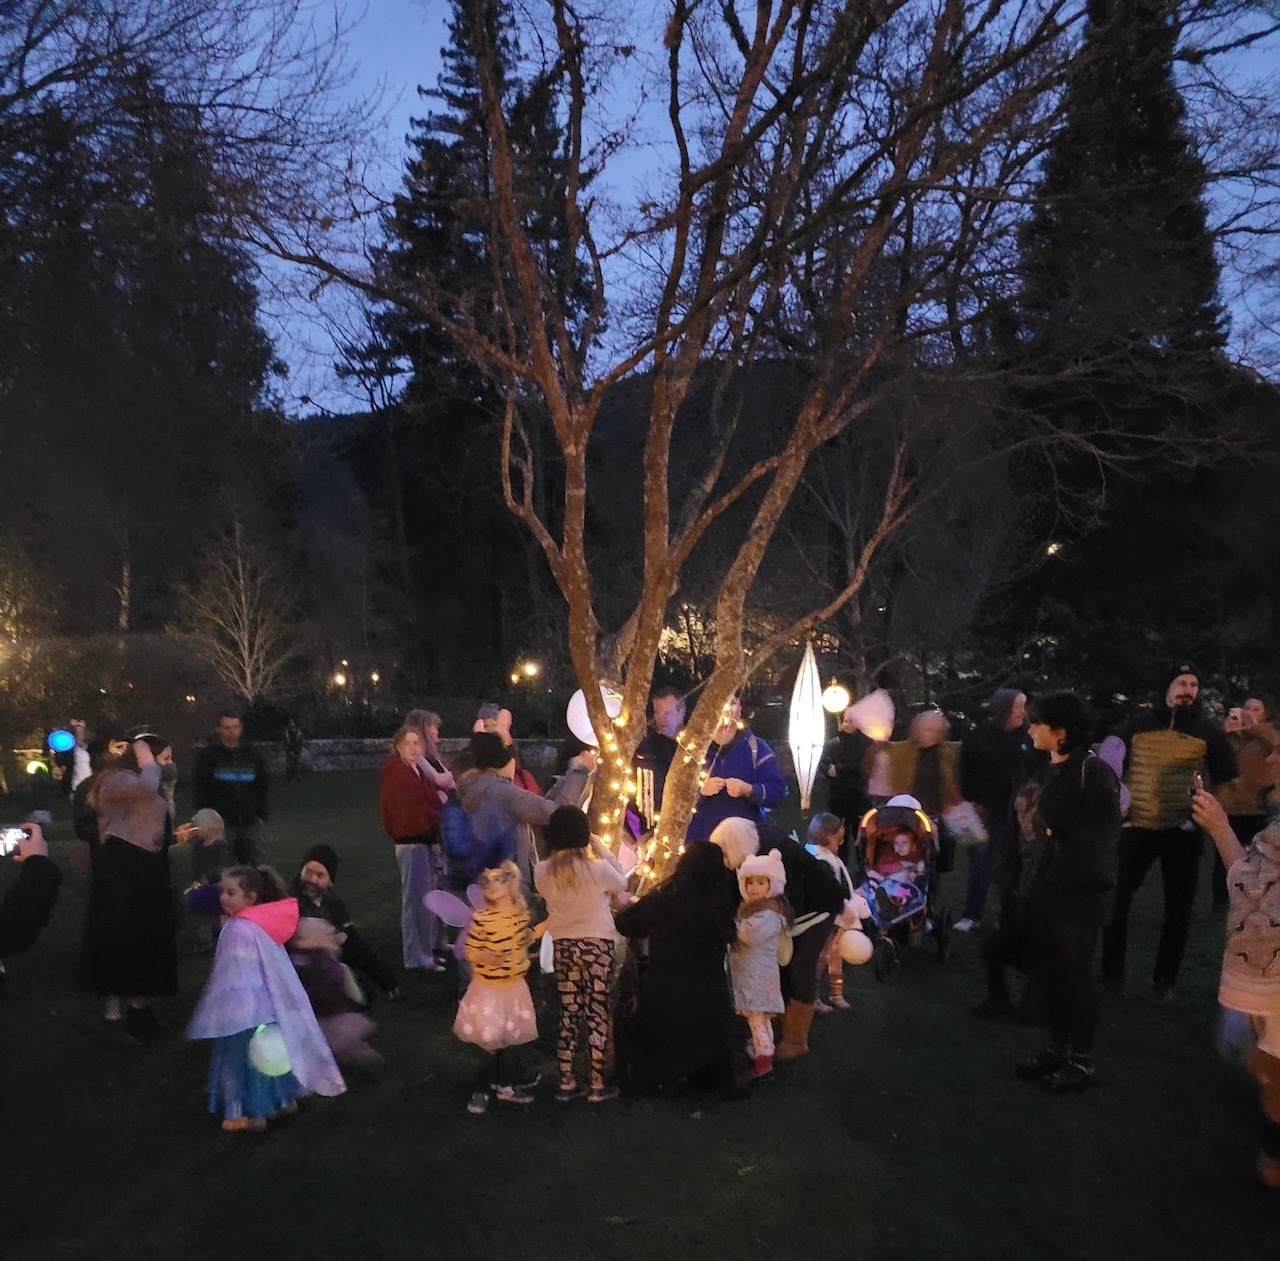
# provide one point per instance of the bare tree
(239, 614)
(834, 188)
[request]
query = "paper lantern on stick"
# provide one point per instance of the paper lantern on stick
(808, 724)
(580, 721)
(873, 715)
(61, 741)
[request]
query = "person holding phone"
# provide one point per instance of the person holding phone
(29, 903)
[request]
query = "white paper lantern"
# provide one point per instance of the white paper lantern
(580, 721)
(873, 715)
(808, 724)
(267, 1051)
(835, 700)
(855, 947)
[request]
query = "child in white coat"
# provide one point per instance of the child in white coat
(763, 918)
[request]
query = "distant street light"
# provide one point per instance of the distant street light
(375, 677)
(340, 679)
(532, 669)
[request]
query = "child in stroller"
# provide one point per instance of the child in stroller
(898, 847)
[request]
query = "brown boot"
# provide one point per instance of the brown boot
(796, 1020)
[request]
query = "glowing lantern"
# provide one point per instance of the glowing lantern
(267, 1051)
(873, 715)
(835, 700)
(808, 724)
(580, 721)
(61, 741)
(855, 947)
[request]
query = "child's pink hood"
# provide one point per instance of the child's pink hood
(279, 920)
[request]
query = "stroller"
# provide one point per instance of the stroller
(898, 849)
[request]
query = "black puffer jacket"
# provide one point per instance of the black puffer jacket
(1077, 824)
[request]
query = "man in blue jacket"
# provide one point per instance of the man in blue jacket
(743, 779)
(231, 778)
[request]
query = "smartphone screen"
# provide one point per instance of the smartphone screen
(10, 839)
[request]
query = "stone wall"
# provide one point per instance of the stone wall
(540, 756)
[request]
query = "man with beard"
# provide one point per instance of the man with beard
(1169, 750)
(655, 753)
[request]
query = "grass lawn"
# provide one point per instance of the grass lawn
(903, 1135)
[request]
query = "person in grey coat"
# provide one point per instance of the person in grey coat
(504, 815)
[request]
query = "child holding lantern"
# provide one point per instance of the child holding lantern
(763, 917)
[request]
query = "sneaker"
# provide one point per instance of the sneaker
(839, 1000)
(821, 1008)
(1034, 1067)
(762, 1068)
(966, 925)
(1075, 1074)
(567, 1092)
(142, 1024)
(512, 1094)
(602, 1094)
(244, 1125)
(117, 1033)
(478, 1102)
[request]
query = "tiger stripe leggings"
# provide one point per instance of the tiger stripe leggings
(582, 968)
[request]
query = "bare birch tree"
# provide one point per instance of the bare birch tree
(240, 614)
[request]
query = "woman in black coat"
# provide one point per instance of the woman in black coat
(1066, 884)
(682, 1025)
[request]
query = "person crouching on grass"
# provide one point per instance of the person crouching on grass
(1250, 982)
(253, 984)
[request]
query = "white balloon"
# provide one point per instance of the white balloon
(873, 715)
(580, 722)
(855, 947)
(268, 1053)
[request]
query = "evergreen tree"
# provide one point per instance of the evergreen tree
(486, 596)
(1117, 333)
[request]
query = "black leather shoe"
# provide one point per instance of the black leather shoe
(1034, 1067)
(1072, 1076)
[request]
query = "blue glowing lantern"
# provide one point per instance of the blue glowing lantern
(61, 741)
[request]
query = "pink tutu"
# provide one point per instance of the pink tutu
(494, 1016)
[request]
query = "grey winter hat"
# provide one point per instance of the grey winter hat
(208, 825)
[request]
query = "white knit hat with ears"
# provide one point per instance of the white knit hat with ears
(738, 839)
(770, 865)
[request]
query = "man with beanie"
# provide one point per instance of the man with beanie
(991, 756)
(504, 815)
(317, 897)
(1167, 747)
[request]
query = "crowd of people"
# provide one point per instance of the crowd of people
(680, 986)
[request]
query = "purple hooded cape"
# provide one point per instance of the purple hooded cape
(254, 983)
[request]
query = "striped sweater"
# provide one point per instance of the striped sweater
(504, 933)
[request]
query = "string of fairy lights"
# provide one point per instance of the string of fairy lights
(656, 852)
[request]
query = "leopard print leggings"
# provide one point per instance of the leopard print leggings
(582, 969)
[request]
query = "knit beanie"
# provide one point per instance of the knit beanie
(568, 829)
(325, 856)
(208, 825)
(1179, 665)
(769, 865)
(490, 751)
(737, 838)
(1001, 705)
